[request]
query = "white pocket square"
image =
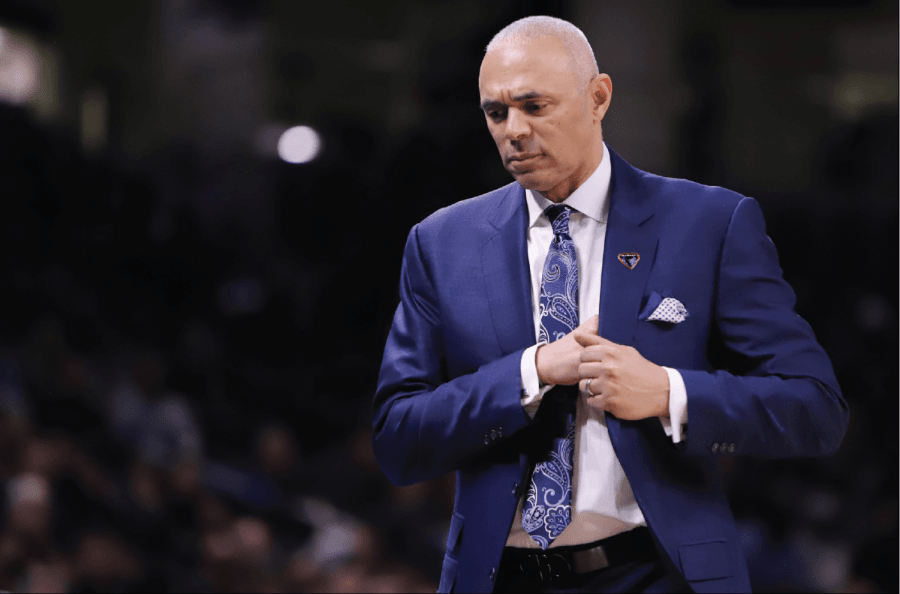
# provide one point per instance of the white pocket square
(669, 310)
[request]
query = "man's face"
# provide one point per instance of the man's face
(545, 124)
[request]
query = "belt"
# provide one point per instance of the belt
(561, 562)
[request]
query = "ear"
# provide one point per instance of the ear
(601, 91)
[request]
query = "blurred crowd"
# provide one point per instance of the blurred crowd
(108, 487)
(160, 430)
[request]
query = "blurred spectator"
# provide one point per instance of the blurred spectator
(158, 423)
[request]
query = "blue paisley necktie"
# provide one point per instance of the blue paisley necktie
(547, 508)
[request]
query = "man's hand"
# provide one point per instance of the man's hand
(621, 380)
(558, 362)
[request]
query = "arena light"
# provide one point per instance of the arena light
(19, 68)
(299, 144)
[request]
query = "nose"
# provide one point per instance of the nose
(517, 126)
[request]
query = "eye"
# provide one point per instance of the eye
(533, 108)
(496, 114)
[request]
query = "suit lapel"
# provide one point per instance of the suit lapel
(629, 230)
(623, 288)
(504, 258)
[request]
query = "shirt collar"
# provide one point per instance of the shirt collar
(590, 198)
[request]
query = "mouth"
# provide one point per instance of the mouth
(521, 159)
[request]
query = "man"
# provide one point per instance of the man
(555, 336)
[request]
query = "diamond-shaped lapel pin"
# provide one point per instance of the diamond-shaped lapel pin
(630, 260)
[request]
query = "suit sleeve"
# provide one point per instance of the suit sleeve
(779, 397)
(425, 423)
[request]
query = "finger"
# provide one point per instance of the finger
(598, 352)
(591, 325)
(584, 339)
(592, 386)
(592, 370)
(606, 342)
(598, 402)
(586, 334)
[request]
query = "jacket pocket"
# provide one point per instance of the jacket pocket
(448, 574)
(705, 561)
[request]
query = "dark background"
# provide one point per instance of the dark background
(191, 328)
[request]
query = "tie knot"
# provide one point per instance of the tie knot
(559, 218)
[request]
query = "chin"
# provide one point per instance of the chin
(531, 180)
(524, 176)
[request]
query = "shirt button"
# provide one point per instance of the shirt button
(715, 447)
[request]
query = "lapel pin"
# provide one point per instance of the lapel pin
(630, 260)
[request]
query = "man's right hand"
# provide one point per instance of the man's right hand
(557, 363)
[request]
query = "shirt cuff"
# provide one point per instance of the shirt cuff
(532, 392)
(674, 424)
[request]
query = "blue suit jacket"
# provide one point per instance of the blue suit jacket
(448, 396)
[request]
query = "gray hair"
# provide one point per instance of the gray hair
(582, 62)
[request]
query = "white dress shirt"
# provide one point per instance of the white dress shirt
(602, 501)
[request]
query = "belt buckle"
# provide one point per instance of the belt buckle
(547, 566)
(590, 560)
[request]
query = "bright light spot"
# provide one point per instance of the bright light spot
(29, 488)
(19, 69)
(299, 144)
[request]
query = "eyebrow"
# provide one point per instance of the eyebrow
(489, 103)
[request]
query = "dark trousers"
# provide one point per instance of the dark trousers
(636, 576)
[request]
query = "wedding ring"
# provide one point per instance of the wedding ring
(587, 387)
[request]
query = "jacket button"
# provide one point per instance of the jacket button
(731, 448)
(493, 573)
(515, 490)
(487, 439)
(715, 448)
(499, 431)
(493, 434)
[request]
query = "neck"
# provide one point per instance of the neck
(568, 186)
(564, 190)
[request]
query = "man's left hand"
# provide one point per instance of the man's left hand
(622, 381)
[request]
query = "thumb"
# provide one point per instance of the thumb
(586, 334)
(591, 325)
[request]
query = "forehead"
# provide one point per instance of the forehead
(540, 65)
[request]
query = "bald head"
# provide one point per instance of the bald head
(582, 62)
(543, 102)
